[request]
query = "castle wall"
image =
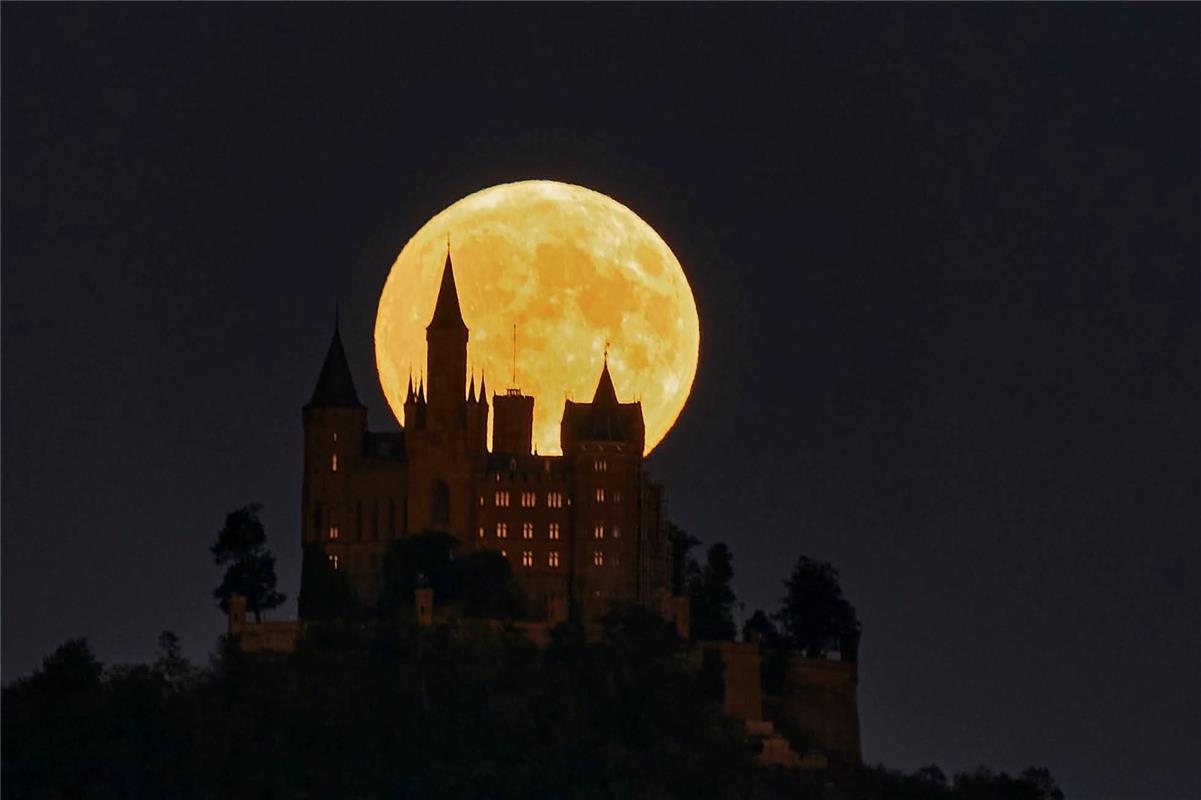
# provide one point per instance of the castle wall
(821, 697)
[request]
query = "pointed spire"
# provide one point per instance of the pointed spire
(446, 309)
(409, 395)
(483, 390)
(421, 391)
(605, 393)
(471, 391)
(335, 385)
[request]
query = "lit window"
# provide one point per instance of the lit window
(616, 495)
(554, 499)
(599, 530)
(598, 558)
(502, 499)
(502, 530)
(527, 530)
(600, 465)
(529, 499)
(334, 533)
(616, 531)
(600, 495)
(504, 553)
(552, 558)
(481, 531)
(334, 463)
(335, 438)
(481, 501)
(335, 561)
(553, 531)
(527, 558)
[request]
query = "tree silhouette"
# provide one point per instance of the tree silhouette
(683, 566)
(250, 567)
(325, 593)
(814, 615)
(712, 597)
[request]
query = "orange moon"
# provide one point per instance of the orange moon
(574, 270)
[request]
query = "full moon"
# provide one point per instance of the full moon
(577, 273)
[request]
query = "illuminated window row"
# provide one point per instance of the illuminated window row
(615, 495)
(527, 531)
(598, 531)
(500, 499)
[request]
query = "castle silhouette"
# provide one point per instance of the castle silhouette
(583, 530)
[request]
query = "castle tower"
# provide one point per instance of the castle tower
(446, 345)
(335, 423)
(513, 427)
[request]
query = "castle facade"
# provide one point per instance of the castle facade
(583, 530)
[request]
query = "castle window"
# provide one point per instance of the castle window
(600, 495)
(553, 531)
(334, 533)
(527, 530)
(600, 465)
(335, 438)
(552, 558)
(527, 558)
(554, 499)
(502, 530)
(502, 499)
(334, 463)
(616, 530)
(504, 553)
(481, 531)
(616, 495)
(598, 558)
(335, 561)
(529, 499)
(481, 501)
(599, 530)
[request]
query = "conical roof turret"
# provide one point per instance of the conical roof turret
(605, 394)
(447, 313)
(335, 386)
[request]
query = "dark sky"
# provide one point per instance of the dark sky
(946, 260)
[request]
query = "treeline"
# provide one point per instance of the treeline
(389, 710)
(372, 706)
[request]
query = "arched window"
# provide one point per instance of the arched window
(440, 504)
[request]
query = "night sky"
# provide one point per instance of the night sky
(946, 261)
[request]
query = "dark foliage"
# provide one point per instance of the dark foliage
(325, 593)
(390, 710)
(477, 584)
(683, 566)
(814, 615)
(241, 547)
(773, 651)
(712, 596)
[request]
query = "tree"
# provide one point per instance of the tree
(683, 566)
(712, 598)
(250, 567)
(482, 585)
(427, 556)
(813, 613)
(325, 592)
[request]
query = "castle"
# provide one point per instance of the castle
(581, 531)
